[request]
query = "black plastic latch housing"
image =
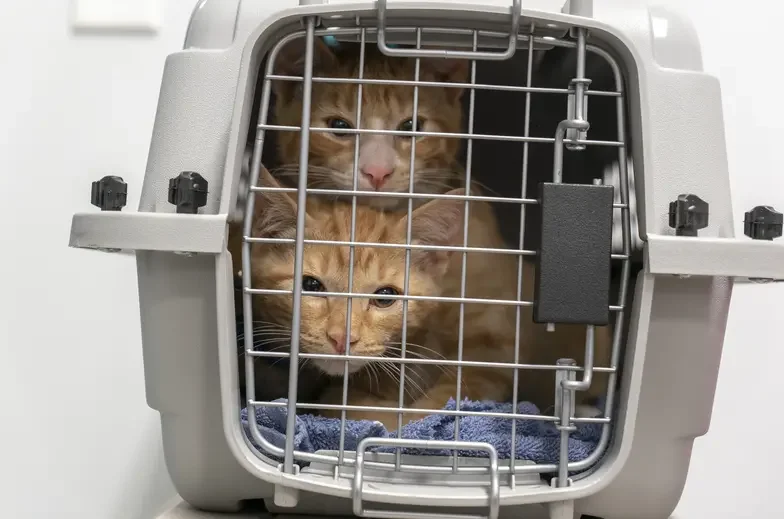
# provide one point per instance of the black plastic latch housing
(573, 275)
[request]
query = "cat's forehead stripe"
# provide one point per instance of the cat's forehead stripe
(370, 227)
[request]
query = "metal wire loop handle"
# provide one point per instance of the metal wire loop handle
(444, 53)
(494, 499)
(587, 379)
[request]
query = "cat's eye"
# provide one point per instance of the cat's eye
(311, 284)
(408, 125)
(380, 301)
(339, 126)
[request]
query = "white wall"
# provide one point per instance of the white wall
(77, 439)
(733, 473)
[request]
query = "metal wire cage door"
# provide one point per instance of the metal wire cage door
(470, 463)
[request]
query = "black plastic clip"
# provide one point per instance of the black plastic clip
(188, 191)
(110, 193)
(763, 223)
(688, 214)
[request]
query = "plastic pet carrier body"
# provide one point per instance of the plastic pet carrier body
(590, 137)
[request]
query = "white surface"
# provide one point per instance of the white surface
(739, 256)
(120, 15)
(183, 511)
(203, 233)
(729, 477)
(77, 440)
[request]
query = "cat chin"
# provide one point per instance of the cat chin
(384, 203)
(379, 202)
(335, 368)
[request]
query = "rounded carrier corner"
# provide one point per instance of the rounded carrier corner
(559, 116)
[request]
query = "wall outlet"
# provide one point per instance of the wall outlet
(116, 16)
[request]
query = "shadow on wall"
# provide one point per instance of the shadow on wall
(149, 467)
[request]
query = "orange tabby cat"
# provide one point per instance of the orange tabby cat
(432, 327)
(384, 161)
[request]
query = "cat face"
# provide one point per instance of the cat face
(384, 162)
(376, 323)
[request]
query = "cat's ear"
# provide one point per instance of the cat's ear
(449, 70)
(291, 62)
(275, 213)
(438, 222)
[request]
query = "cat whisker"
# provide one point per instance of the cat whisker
(314, 172)
(263, 337)
(443, 178)
(396, 345)
(276, 348)
(258, 346)
(390, 371)
(373, 369)
(260, 323)
(265, 327)
(263, 334)
(410, 381)
(282, 342)
(430, 353)
(410, 354)
(417, 355)
(450, 175)
(270, 329)
(262, 327)
(281, 345)
(420, 381)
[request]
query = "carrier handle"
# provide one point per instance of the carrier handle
(444, 53)
(494, 499)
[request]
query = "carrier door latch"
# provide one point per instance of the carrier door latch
(573, 276)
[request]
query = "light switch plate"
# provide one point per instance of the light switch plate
(120, 16)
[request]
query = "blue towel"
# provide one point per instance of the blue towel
(535, 440)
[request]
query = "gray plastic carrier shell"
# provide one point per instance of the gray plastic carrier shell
(678, 312)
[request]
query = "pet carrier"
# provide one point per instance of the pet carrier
(624, 210)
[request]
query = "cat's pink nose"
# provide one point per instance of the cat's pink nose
(338, 340)
(377, 175)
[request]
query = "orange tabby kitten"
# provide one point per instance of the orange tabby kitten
(384, 161)
(432, 327)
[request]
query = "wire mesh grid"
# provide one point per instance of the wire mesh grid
(567, 376)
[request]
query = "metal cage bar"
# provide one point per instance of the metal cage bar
(519, 291)
(409, 210)
(355, 179)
